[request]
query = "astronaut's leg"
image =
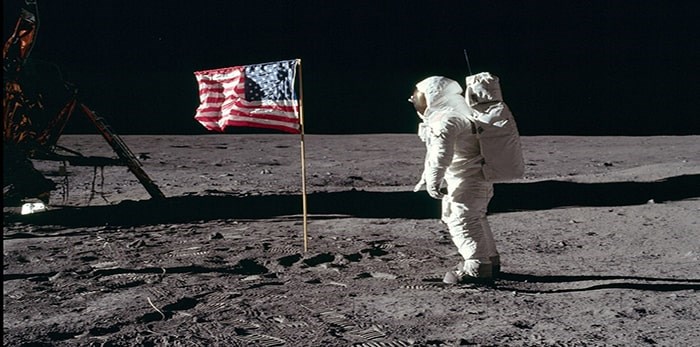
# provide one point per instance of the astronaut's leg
(464, 212)
(465, 226)
(483, 192)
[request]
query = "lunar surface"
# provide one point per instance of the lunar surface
(600, 246)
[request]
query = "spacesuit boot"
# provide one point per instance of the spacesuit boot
(472, 246)
(470, 272)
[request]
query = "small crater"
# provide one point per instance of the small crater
(289, 260)
(523, 324)
(355, 257)
(182, 304)
(101, 331)
(249, 267)
(319, 259)
(154, 317)
(363, 275)
(375, 252)
(61, 336)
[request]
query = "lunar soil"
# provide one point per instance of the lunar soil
(600, 244)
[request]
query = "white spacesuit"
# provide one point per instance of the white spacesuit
(453, 173)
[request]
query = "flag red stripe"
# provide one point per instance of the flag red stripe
(215, 124)
(286, 111)
(211, 90)
(233, 113)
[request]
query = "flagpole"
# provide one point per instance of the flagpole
(303, 154)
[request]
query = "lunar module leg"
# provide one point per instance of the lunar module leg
(124, 153)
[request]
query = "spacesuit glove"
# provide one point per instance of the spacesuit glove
(436, 192)
(420, 185)
(423, 131)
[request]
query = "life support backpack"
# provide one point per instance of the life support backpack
(495, 128)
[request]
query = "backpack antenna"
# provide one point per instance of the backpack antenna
(466, 57)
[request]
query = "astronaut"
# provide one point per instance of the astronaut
(452, 172)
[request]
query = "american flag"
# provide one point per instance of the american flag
(259, 95)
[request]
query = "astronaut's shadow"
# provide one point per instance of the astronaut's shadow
(510, 197)
(545, 195)
(527, 283)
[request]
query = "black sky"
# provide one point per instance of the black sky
(566, 67)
